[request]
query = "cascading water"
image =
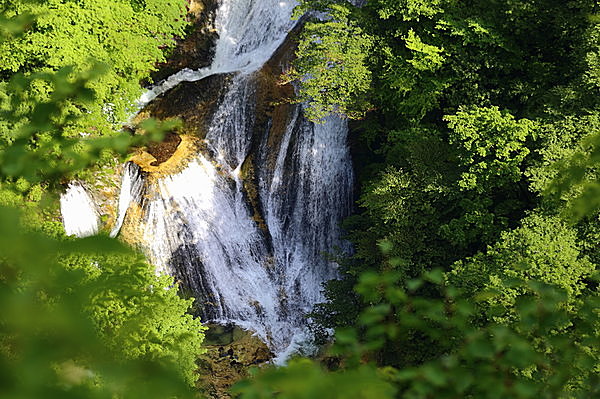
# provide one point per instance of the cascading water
(200, 225)
(79, 214)
(249, 33)
(304, 199)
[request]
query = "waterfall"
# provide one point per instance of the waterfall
(305, 198)
(256, 260)
(131, 190)
(249, 32)
(79, 214)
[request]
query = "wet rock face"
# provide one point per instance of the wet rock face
(193, 102)
(164, 150)
(197, 49)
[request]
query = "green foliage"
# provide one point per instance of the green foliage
(561, 140)
(491, 146)
(49, 343)
(493, 361)
(81, 318)
(139, 315)
(469, 101)
(331, 66)
(81, 34)
(305, 379)
(478, 159)
(401, 210)
(573, 175)
(434, 54)
(592, 74)
(409, 9)
(38, 148)
(543, 249)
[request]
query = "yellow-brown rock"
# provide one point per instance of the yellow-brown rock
(186, 150)
(224, 365)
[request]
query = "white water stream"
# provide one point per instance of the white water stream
(198, 225)
(249, 32)
(79, 214)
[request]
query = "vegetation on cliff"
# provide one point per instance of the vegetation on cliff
(127, 36)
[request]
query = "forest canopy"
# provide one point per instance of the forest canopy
(476, 235)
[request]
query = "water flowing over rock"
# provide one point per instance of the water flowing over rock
(249, 32)
(79, 213)
(246, 211)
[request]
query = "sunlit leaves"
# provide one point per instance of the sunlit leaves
(139, 315)
(38, 148)
(331, 66)
(409, 9)
(81, 318)
(49, 344)
(543, 249)
(573, 175)
(491, 146)
(81, 34)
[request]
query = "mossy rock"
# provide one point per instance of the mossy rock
(231, 351)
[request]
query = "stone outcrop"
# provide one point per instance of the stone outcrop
(227, 360)
(192, 102)
(168, 157)
(196, 49)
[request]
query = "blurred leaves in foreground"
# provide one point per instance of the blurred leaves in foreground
(62, 334)
(38, 149)
(80, 318)
(548, 353)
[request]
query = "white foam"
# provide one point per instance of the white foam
(79, 214)
(249, 32)
(198, 224)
